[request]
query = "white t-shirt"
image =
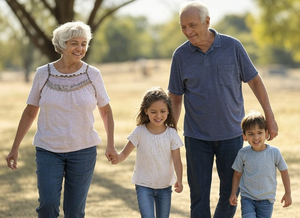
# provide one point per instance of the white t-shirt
(154, 164)
(67, 101)
(259, 168)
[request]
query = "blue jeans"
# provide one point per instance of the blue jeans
(148, 197)
(200, 157)
(77, 168)
(256, 209)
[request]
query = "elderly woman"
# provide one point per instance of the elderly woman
(67, 92)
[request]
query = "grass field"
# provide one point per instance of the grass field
(111, 193)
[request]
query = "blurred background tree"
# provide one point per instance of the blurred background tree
(275, 30)
(269, 34)
(38, 18)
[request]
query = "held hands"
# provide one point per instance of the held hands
(111, 154)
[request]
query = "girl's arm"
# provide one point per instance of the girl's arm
(28, 116)
(178, 169)
(235, 185)
(128, 148)
(287, 198)
(108, 121)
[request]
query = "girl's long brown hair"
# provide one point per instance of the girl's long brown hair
(151, 96)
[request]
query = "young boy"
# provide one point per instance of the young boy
(255, 171)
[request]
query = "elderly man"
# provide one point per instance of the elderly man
(209, 70)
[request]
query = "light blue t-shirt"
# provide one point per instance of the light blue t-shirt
(211, 83)
(259, 170)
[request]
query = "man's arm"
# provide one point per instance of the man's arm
(176, 105)
(261, 94)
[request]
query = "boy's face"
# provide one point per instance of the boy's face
(256, 138)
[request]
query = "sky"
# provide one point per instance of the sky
(160, 11)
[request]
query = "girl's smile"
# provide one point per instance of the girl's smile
(157, 114)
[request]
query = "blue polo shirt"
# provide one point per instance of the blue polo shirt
(211, 83)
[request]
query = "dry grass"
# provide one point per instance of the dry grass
(111, 193)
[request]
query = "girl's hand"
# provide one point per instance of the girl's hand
(178, 187)
(114, 159)
(11, 160)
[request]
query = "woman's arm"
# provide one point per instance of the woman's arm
(108, 121)
(27, 118)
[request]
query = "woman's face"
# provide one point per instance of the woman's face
(76, 49)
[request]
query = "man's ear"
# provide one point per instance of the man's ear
(207, 21)
(244, 137)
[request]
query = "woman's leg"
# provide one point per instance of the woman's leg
(50, 172)
(79, 171)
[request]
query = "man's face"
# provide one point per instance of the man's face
(192, 27)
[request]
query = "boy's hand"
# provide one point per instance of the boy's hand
(233, 200)
(287, 199)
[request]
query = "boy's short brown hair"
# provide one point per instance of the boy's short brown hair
(251, 119)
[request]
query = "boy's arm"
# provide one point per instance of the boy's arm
(287, 198)
(178, 169)
(235, 185)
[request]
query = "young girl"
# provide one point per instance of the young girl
(158, 153)
(255, 171)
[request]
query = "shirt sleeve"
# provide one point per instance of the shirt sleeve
(238, 163)
(39, 79)
(97, 80)
(134, 136)
(176, 85)
(176, 140)
(247, 68)
(279, 161)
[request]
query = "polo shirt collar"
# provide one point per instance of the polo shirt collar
(216, 43)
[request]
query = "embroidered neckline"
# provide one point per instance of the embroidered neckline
(67, 88)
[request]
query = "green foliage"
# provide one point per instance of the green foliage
(277, 26)
(123, 38)
(237, 27)
(169, 37)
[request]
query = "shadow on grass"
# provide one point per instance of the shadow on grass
(19, 192)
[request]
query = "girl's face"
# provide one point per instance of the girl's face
(256, 138)
(157, 113)
(76, 49)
